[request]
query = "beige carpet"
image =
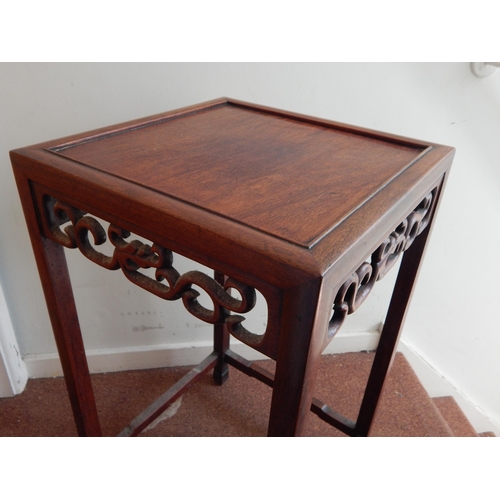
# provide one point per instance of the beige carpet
(238, 408)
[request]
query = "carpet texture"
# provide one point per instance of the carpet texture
(238, 408)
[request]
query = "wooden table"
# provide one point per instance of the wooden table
(309, 212)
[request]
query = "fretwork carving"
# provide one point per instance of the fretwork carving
(71, 227)
(359, 285)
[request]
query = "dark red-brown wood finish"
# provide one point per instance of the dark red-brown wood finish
(309, 212)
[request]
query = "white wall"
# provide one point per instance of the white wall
(452, 323)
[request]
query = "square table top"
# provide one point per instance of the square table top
(285, 176)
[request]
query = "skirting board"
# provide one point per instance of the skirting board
(147, 357)
(436, 385)
(13, 372)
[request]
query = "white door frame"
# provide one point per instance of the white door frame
(13, 372)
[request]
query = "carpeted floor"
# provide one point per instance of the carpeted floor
(238, 408)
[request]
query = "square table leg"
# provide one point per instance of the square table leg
(393, 325)
(62, 310)
(301, 341)
(53, 270)
(221, 343)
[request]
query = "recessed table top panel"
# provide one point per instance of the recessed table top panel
(291, 178)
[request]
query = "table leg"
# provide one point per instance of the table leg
(62, 310)
(221, 344)
(58, 292)
(300, 346)
(386, 350)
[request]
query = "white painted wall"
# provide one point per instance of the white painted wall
(452, 323)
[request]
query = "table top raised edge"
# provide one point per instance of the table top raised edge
(291, 263)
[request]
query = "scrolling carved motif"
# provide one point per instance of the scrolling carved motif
(131, 256)
(359, 285)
